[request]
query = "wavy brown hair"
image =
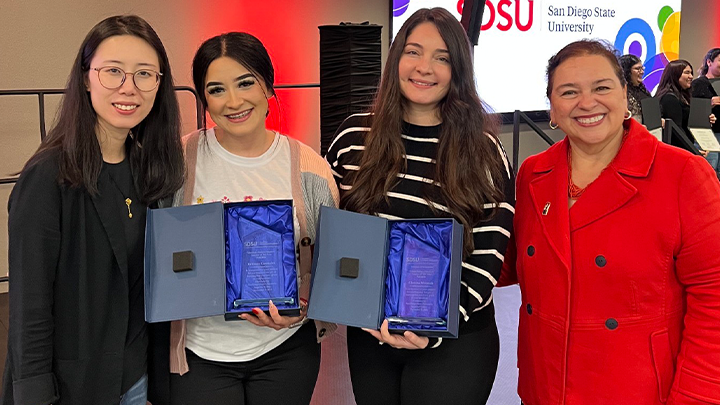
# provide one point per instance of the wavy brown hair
(469, 166)
(626, 63)
(709, 57)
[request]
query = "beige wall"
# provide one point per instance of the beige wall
(699, 29)
(39, 40)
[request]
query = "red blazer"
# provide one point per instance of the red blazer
(621, 293)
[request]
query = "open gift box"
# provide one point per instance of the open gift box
(220, 258)
(367, 269)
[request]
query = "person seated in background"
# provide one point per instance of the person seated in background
(636, 91)
(702, 88)
(674, 95)
(615, 249)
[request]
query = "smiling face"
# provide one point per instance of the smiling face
(424, 70)
(587, 100)
(119, 110)
(686, 78)
(235, 98)
(636, 74)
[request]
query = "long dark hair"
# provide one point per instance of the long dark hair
(709, 56)
(154, 152)
(469, 167)
(626, 63)
(669, 81)
(242, 47)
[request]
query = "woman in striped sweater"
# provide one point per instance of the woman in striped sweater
(428, 149)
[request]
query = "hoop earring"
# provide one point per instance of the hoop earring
(552, 126)
(628, 115)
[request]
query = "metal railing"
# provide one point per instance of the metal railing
(672, 128)
(298, 86)
(41, 93)
(517, 116)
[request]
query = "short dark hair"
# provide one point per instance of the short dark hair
(242, 47)
(669, 81)
(637, 92)
(584, 47)
(154, 152)
(709, 56)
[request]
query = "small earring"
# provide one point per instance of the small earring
(628, 115)
(552, 126)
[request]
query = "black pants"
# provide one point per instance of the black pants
(285, 375)
(458, 372)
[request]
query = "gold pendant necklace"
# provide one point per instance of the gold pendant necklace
(128, 201)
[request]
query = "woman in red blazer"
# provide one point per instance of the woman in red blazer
(617, 253)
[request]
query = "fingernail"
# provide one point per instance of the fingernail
(256, 311)
(271, 303)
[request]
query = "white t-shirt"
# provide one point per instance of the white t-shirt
(222, 176)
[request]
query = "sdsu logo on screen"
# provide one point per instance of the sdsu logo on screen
(505, 15)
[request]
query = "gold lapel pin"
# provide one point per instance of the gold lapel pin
(546, 209)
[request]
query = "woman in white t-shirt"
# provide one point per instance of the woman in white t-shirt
(264, 359)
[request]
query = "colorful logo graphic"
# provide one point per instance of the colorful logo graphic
(400, 7)
(637, 38)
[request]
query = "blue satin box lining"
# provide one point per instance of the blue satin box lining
(357, 277)
(260, 262)
(206, 283)
(406, 241)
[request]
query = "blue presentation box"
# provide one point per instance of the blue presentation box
(201, 261)
(357, 279)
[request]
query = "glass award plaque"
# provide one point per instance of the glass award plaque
(262, 277)
(419, 284)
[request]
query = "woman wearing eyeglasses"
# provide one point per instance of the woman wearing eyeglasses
(77, 333)
(636, 91)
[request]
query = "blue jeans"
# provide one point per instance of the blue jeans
(713, 158)
(137, 394)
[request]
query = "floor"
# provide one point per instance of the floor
(507, 301)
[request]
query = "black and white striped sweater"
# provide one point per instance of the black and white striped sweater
(407, 200)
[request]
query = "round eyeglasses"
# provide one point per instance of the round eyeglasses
(112, 77)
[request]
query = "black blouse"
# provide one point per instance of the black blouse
(136, 341)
